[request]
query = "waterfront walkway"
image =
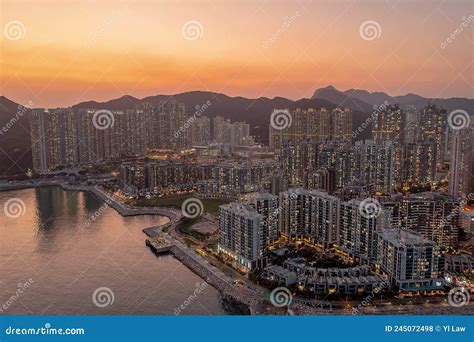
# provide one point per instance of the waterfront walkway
(249, 297)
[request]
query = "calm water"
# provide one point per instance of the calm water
(68, 259)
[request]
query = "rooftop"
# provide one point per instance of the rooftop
(400, 237)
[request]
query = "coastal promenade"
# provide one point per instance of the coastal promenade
(247, 299)
(251, 298)
(124, 210)
(121, 208)
(7, 186)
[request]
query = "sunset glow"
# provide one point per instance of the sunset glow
(87, 50)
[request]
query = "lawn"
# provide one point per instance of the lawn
(211, 206)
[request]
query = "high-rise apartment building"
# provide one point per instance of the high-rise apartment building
(53, 139)
(310, 214)
(169, 117)
(65, 137)
(296, 159)
(341, 125)
(433, 125)
(461, 169)
(389, 125)
(267, 205)
(310, 124)
(200, 132)
(241, 235)
(376, 165)
(411, 262)
(433, 215)
(231, 133)
(419, 163)
(357, 231)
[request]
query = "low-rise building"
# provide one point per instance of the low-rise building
(279, 274)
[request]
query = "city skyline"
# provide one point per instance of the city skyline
(238, 49)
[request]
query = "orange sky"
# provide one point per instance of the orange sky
(74, 51)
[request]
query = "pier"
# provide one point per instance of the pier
(159, 245)
(244, 298)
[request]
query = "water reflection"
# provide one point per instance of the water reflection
(68, 259)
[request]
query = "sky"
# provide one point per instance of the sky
(59, 53)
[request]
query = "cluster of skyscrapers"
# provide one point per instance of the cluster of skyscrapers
(408, 149)
(338, 165)
(317, 125)
(68, 137)
(310, 187)
(225, 179)
(323, 178)
(248, 229)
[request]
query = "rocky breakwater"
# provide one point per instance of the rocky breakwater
(125, 210)
(240, 299)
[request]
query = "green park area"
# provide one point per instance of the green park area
(211, 206)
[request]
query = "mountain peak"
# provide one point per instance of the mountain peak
(341, 99)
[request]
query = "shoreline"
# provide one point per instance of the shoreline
(246, 303)
(96, 192)
(191, 260)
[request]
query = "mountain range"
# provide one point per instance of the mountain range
(362, 100)
(15, 144)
